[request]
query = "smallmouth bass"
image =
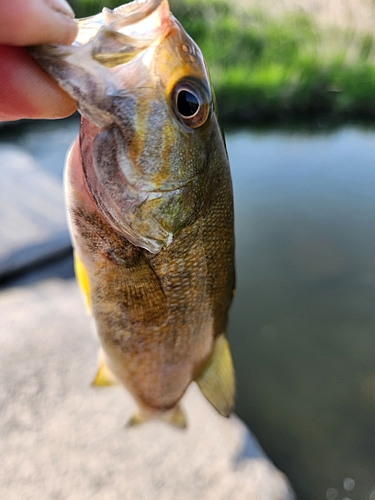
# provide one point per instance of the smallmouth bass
(150, 206)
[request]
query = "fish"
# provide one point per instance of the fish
(150, 207)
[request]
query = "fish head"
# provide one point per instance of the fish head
(143, 89)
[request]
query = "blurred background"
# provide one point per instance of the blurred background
(295, 83)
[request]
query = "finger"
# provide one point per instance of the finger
(26, 91)
(33, 22)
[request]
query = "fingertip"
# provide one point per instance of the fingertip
(34, 22)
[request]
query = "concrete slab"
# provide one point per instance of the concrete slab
(62, 439)
(32, 215)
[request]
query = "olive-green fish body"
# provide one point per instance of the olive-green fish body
(150, 206)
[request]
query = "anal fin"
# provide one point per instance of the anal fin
(216, 381)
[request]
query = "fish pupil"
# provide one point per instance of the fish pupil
(187, 103)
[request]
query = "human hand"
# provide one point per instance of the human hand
(26, 91)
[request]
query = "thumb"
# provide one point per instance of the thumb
(33, 22)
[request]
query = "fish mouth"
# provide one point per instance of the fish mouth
(91, 68)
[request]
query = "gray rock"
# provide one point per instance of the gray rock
(32, 215)
(62, 439)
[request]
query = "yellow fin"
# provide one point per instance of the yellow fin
(174, 417)
(104, 376)
(83, 281)
(136, 419)
(216, 381)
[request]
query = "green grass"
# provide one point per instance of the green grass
(274, 70)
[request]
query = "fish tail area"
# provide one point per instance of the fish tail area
(174, 417)
(104, 376)
(83, 281)
(216, 380)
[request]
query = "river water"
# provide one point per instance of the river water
(302, 327)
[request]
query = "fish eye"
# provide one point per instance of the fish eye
(190, 104)
(187, 103)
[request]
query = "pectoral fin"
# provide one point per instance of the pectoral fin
(216, 381)
(104, 376)
(83, 281)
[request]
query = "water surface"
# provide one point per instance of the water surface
(302, 326)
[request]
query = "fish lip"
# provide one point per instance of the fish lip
(147, 7)
(116, 21)
(120, 19)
